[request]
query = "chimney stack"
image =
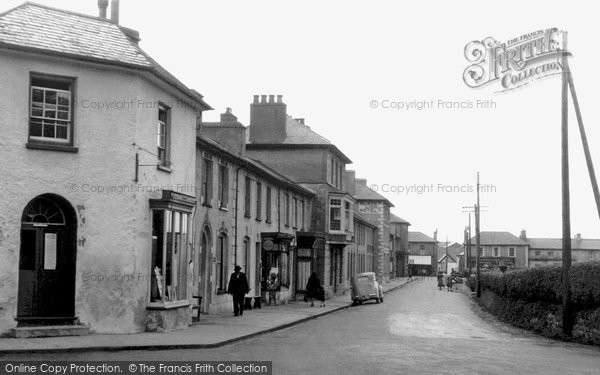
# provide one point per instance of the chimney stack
(268, 119)
(578, 241)
(114, 11)
(523, 235)
(102, 6)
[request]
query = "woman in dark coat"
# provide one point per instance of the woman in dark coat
(313, 288)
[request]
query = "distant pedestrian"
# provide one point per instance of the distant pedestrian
(313, 289)
(238, 288)
(409, 274)
(273, 288)
(440, 280)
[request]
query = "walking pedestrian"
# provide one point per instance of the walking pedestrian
(450, 283)
(409, 274)
(313, 288)
(440, 280)
(238, 288)
(273, 288)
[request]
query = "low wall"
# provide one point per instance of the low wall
(543, 318)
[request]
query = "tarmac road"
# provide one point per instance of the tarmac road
(418, 329)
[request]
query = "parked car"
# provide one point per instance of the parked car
(366, 287)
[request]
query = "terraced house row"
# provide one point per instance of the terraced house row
(131, 218)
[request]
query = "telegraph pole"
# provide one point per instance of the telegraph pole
(566, 207)
(446, 254)
(477, 241)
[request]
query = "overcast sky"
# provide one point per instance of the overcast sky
(331, 59)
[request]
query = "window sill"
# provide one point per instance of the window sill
(247, 216)
(167, 305)
(207, 205)
(51, 147)
(163, 168)
(224, 209)
(268, 221)
(258, 219)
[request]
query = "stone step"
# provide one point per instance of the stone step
(50, 331)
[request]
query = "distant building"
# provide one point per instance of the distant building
(399, 244)
(422, 253)
(454, 251)
(501, 248)
(548, 251)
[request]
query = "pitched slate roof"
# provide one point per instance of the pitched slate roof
(556, 244)
(397, 219)
(363, 192)
(499, 238)
(419, 237)
(40, 28)
(300, 135)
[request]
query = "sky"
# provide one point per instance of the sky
(340, 65)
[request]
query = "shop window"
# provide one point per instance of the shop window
(170, 254)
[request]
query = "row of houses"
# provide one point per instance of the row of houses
(500, 248)
(123, 210)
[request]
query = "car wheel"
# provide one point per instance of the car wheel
(360, 302)
(377, 299)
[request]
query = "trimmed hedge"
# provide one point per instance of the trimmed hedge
(545, 285)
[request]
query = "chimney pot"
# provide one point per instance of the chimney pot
(263, 99)
(279, 98)
(255, 99)
(300, 120)
(102, 6)
(114, 11)
(271, 98)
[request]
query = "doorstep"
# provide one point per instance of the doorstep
(50, 331)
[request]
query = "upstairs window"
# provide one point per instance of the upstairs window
(51, 110)
(258, 201)
(269, 208)
(295, 213)
(162, 139)
(335, 214)
(207, 180)
(247, 197)
(223, 185)
(511, 252)
(347, 216)
(496, 252)
(286, 211)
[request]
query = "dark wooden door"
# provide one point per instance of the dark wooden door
(46, 274)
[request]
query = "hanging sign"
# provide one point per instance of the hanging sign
(514, 63)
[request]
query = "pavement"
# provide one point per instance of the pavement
(211, 331)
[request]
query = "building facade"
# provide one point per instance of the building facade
(248, 215)
(501, 248)
(422, 253)
(290, 147)
(96, 230)
(548, 251)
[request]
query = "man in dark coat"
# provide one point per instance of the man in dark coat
(238, 287)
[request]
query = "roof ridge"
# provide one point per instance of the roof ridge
(59, 10)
